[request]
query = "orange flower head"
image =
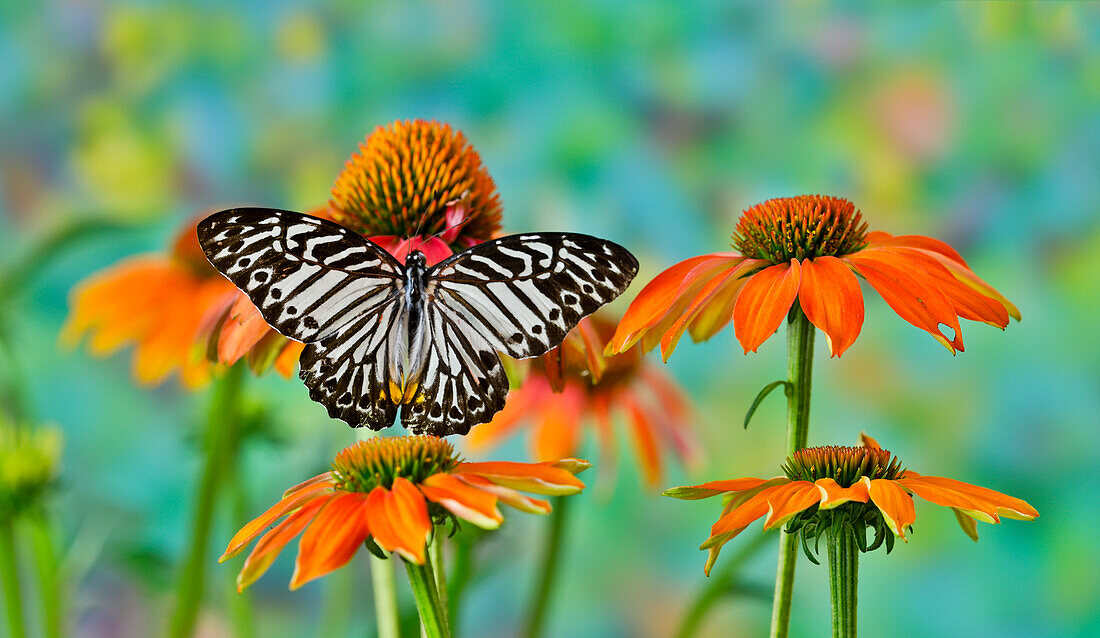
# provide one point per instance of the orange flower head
(808, 253)
(390, 494)
(417, 179)
(179, 313)
(803, 227)
(574, 388)
(837, 489)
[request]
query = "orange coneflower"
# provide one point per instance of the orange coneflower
(417, 185)
(860, 487)
(170, 305)
(810, 248)
(392, 492)
(575, 385)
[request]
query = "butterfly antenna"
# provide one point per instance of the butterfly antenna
(455, 225)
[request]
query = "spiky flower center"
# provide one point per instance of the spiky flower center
(417, 179)
(378, 461)
(802, 227)
(845, 465)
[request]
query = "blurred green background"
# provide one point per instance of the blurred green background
(652, 124)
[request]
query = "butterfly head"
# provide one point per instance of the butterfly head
(415, 261)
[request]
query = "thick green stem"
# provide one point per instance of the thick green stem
(47, 565)
(843, 581)
(221, 424)
(548, 569)
(9, 578)
(433, 617)
(800, 359)
(459, 580)
(718, 585)
(435, 552)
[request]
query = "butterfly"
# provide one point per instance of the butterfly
(382, 335)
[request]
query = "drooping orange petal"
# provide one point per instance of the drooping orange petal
(329, 543)
(718, 312)
(324, 477)
(714, 488)
(537, 478)
(744, 514)
(967, 276)
(916, 241)
(910, 292)
(789, 500)
(659, 295)
(463, 500)
(288, 503)
(508, 496)
(1003, 504)
(518, 405)
(894, 502)
(288, 358)
(557, 428)
(701, 299)
(645, 442)
(609, 444)
(242, 330)
(763, 302)
(408, 515)
(833, 495)
(382, 529)
(966, 522)
(968, 302)
(271, 543)
(829, 295)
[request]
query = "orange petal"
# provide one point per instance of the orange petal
(288, 358)
(830, 297)
(271, 543)
(241, 331)
(921, 242)
(832, 494)
(718, 312)
(894, 502)
(706, 294)
(789, 500)
(381, 528)
(866, 441)
(659, 295)
(763, 303)
(333, 538)
(967, 276)
(966, 522)
(289, 503)
(968, 302)
(744, 514)
(408, 515)
(557, 432)
(508, 496)
(463, 500)
(518, 405)
(911, 293)
(714, 488)
(645, 441)
(538, 478)
(1000, 504)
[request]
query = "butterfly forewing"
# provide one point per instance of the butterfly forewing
(524, 293)
(308, 277)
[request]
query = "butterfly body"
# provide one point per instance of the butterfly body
(382, 336)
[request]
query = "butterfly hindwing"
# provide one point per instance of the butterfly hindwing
(309, 277)
(462, 383)
(524, 293)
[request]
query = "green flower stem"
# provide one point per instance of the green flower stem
(843, 581)
(385, 597)
(435, 553)
(719, 585)
(433, 616)
(9, 578)
(337, 603)
(547, 570)
(220, 441)
(460, 577)
(48, 566)
(800, 359)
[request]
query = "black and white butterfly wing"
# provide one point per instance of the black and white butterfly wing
(520, 295)
(308, 277)
(320, 283)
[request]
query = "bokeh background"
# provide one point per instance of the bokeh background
(652, 124)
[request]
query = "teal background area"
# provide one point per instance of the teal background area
(651, 124)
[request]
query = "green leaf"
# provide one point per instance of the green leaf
(760, 398)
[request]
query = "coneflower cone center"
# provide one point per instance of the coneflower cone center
(845, 465)
(802, 227)
(416, 178)
(378, 461)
